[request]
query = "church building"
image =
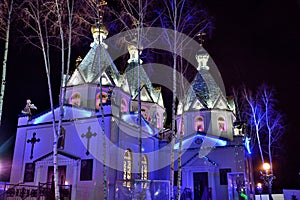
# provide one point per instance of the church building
(103, 139)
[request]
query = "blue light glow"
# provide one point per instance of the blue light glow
(70, 112)
(133, 119)
(189, 141)
(247, 145)
(41, 118)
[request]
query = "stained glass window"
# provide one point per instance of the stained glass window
(104, 99)
(124, 105)
(127, 169)
(75, 99)
(145, 168)
(199, 124)
(221, 124)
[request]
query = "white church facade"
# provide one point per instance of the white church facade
(216, 163)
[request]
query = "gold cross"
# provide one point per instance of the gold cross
(200, 36)
(101, 9)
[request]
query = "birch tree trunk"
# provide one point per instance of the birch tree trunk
(257, 116)
(179, 158)
(35, 12)
(174, 133)
(5, 56)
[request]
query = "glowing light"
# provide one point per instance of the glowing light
(216, 141)
(66, 183)
(70, 112)
(266, 166)
(41, 118)
(247, 145)
(259, 185)
(133, 119)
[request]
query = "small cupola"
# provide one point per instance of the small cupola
(134, 52)
(99, 34)
(202, 58)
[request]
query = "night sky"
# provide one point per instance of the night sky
(253, 42)
(257, 42)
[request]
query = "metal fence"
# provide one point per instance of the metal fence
(43, 191)
(143, 190)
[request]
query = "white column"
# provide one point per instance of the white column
(38, 174)
(75, 179)
(211, 174)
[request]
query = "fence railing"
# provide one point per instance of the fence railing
(42, 191)
(142, 189)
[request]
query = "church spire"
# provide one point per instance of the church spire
(133, 49)
(99, 31)
(202, 56)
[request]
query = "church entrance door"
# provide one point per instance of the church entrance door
(61, 174)
(201, 186)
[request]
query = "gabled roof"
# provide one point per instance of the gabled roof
(221, 103)
(97, 58)
(76, 78)
(70, 112)
(197, 105)
(131, 74)
(62, 156)
(145, 95)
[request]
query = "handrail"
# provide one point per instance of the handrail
(24, 191)
(5, 191)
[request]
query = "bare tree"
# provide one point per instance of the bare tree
(181, 17)
(6, 9)
(266, 125)
(274, 122)
(254, 115)
(38, 19)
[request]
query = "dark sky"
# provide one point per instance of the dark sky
(254, 41)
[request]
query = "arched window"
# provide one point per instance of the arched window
(145, 169)
(199, 124)
(145, 112)
(124, 105)
(75, 99)
(127, 169)
(104, 99)
(221, 124)
(159, 120)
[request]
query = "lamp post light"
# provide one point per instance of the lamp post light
(268, 178)
(259, 189)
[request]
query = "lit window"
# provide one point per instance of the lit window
(158, 119)
(124, 105)
(127, 169)
(104, 99)
(221, 124)
(75, 99)
(145, 174)
(144, 112)
(144, 168)
(199, 124)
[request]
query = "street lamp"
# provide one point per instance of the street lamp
(268, 178)
(259, 189)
